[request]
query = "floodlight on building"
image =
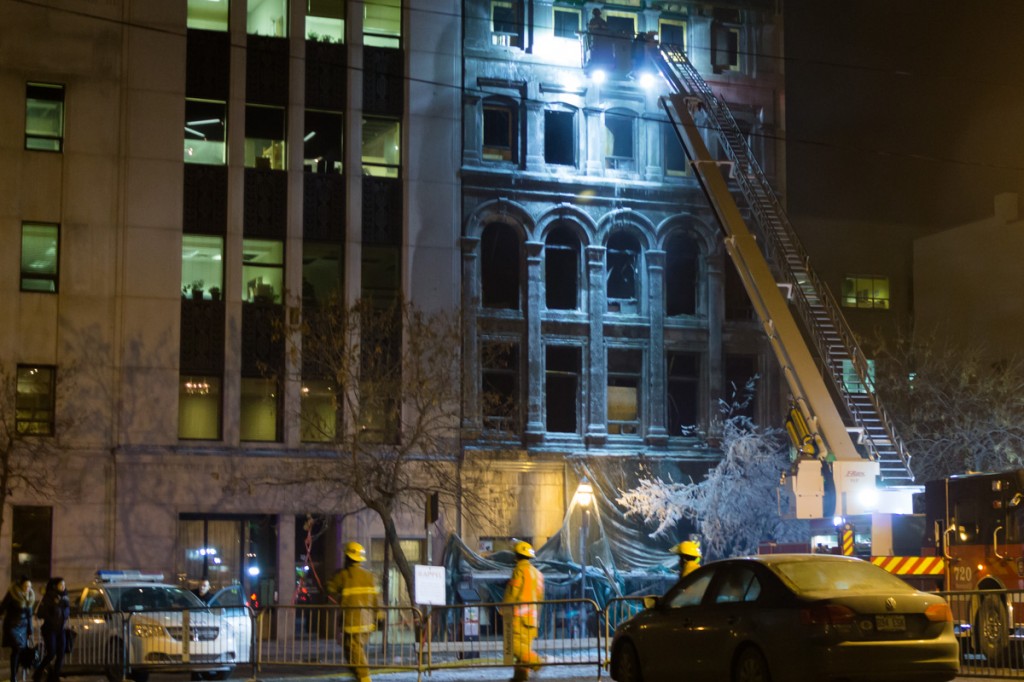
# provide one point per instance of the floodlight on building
(598, 76)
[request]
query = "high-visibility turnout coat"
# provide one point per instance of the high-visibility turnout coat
(355, 586)
(525, 585)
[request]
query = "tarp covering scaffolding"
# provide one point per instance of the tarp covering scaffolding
(619, 556)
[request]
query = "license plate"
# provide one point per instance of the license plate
(890, 623)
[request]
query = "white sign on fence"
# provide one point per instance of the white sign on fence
(430, 585)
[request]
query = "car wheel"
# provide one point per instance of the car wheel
(750, 666)
(627, 664)
(992, 629)
(115, 661)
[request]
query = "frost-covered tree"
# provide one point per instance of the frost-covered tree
(738, 504)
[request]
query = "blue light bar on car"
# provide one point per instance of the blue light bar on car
(109, 576)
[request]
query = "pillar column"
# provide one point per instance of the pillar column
(655, 385)
(471, 419)
(534, 431)
(597, 371)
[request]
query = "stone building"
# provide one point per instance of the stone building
(457, 153)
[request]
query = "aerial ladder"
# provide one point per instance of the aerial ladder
(824, 423)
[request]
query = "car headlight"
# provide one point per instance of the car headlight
(143, 630)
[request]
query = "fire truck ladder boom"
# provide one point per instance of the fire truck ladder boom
(819, 314)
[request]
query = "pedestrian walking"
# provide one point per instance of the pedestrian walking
(54, 611)
(356, 591)
(524, 589)
(17, 607)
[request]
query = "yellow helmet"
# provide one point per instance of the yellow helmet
(524, 548)
(355, 552)
(687, 548)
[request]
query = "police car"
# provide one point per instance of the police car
(134, 623)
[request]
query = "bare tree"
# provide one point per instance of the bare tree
(391, 426)
(956, 409)
(738, 504)
(30, 434)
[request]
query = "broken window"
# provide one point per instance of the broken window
(499, 267)
(683, 373)
(562, 270)
(500, 139)
(741, 370)
(562, 377)
(737, 302)
(618, 140)
(624, 375)
(500, 385)
(681, 253)
(622, 263)
(559, 137)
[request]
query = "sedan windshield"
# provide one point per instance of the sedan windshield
(839, 576)
(152, 598)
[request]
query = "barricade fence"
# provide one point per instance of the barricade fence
(990, 627)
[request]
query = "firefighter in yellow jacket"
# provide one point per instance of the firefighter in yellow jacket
(354, 586)
(689, 557)
(525, 585)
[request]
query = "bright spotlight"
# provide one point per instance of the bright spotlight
(254, 571)
(868, 498)
(646, 80)
(599, 76)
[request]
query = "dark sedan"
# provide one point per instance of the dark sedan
(789, 617)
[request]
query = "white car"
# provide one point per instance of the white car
(160, 627)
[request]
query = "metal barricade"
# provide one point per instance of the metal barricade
(990, 627)
(617, 610)
(478, 635)
(328, 636)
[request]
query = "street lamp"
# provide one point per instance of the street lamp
(583, 497)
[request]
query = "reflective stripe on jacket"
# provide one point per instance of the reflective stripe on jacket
(525, 585)
(355, 586)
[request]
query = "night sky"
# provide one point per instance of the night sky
(903, 111)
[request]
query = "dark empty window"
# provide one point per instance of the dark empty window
(737, 302)
(31, 540)
(561, 270)
(618, 147)
(624, 381)
(562, 381)
(739, 370)
(622, 262)
(499, 267)
(675, 157)
(559, 138)
(681, 275)
(725, 47)
(567, 22)
(500, 389)
(683, 371)
(499, 133)
(321, 148)
(672, 32)
(622, 23)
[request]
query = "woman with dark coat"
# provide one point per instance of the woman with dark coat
(54, 610)
(17, 607)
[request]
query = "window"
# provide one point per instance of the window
(207, 15)
(321, 273)
(31, 542)
(622, 264)
(199, 407)
(689, 592)
(267, 18)
(567, 22)
(382, 23)
(618, 140)
(506, 26)
(560, 137)
(681, 259)
(205, 132)
(624, 377)
(202, 267)
(739, 585)
(866, 291)
(500, 267)
(675, 158)
(562, 269)
(683, 374)
(381, 274)
(318, 421)
(325, 20)
(35, 400)
(562, 382)
(40, 257)
(500, 386)
(739, 370)
(262, 270)
(725, 48)
(621, 22)
(382, 150)
(500, 127)
(852, 381)
(322, 142)
(44, 117)
(737, 302)
(672, 32)
(264, 137)
(259, 410)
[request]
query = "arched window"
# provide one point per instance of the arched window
(622, 264)
(499, 267)
(562, 269)
(681, 253)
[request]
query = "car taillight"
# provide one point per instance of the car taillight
(827, 614)
(939, 613)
